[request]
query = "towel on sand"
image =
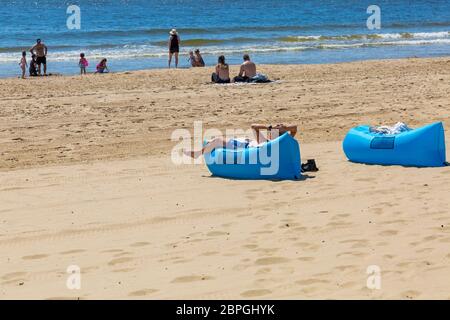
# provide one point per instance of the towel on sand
(399, 127)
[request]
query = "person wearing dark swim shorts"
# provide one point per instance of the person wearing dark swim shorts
(174, 46)
(40, 50)
(247, 70)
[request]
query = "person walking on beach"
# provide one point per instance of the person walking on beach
(247, 71)
(40, 49)
(222, 74)
(83, 63)
(23, 64)
(174, 46)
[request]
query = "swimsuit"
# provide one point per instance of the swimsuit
(238, 143)
(83, 63)
(41, 60)
(174, 45)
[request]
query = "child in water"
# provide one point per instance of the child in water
(23, 64)
(83, 63)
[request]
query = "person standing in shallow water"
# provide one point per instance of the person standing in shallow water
(174, 46)
(40, 49)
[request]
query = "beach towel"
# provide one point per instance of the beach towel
(260, 78)
(399, 127)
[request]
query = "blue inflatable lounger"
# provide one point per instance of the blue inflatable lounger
(421, 147)
(278, 159)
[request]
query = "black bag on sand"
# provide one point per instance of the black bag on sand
(310, 166)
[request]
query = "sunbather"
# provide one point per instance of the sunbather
(242, 143)
(247, 71)
(222, 74)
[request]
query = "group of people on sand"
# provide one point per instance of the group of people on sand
(247, 72)
(38, 59)
(195, 57)
(101, 67)
(38, 63)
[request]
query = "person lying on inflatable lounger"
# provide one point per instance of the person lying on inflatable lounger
(273, 132)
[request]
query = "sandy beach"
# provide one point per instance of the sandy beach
(86, 179)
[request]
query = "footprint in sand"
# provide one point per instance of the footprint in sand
(352, 254)
(306, 259)
(388, 233)
(271, 260)
(123, 270)
(111, 251)
(14, 276)
(72, 251)
(35, 257)
(191, 279)
(263, 271)
(142, 293)
(308, 282)
(216, 233)
(139, 244)
(255, 293)
(346, 267)
(119, 261)
(210, 253)
(121, 254)
(349, 284)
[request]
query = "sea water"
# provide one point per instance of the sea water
(133, 34)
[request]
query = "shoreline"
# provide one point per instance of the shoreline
(6, 77)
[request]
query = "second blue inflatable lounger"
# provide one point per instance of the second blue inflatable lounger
(422, 147)
(278, 159)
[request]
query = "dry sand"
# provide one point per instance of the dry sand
(86, 179)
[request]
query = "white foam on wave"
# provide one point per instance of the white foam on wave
(150, 51)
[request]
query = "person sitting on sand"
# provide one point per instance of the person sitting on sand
(247, 71)
(199, 59)
(191, 59)
(33, 67)
(222, 74)
(243, 143)
(102, 67)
